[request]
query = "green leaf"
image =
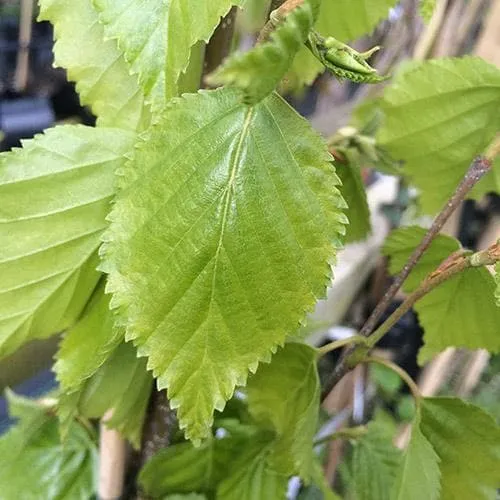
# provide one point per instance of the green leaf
(400, 244)
(55, 193)
(303, 71)
(372, 464)
(189, 496)
(122, 384)
(354, 193)
(157, 36)
(247, 213)
(101, 74)
(461, 311)
(35, 464)
(250, 476)
(439, 115)
(259, 71)
(349, 19)
(182, 468)
(419, 474)
(284, 397)
(467, 441)
(87, 345)
(427, 9)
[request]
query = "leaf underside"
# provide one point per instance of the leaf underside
(55, 193)
(438, 116)
(221, 243)
(156, 37)
(102, 77)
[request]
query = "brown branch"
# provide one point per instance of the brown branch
(277, 14)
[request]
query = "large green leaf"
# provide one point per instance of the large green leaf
(251, 477)
(258, 71)
(371, 467)
(55, 193)
(122, 384)
(284, 397)
(439, 115)
(461, 311)
(102, 76)
(349, 19)
(418, 475)
(221, 244)
(35, 464)
(467, 441)
(157, 36)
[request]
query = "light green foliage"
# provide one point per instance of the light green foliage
(221, 244)
(55, 193)
(461, 311)
(97, 66)
(349, 19)
(190, 496)
(284, 397)
(34, 464)
(427, 9)
(259, 71)
(354, 193)
(156, 37)
(369, 470)
(418, 475)
(401, 243)
(438, 115)
(121, 384)
(467, 442)
(303, 71)
(253, 16)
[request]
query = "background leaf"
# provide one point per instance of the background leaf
(461, 311)
(303, 71)
(349, 19)
(418, 475)
(438, 116)
(427, 9)
(370, 469)
(284, 396)
(497, 281)
(55, 193)
(467, 441)
(259, 71)
(35, 464)
(97, 66)
(157, 37)
(247, 214)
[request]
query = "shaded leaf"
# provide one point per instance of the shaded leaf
(467, 441)
(284, 397)
(354, 193)
(259, 71)
(251, 477)
(246, 214)
(101, 74)
(400, 244)
(122, 384)
(349, 19)
(35, 464)
(157, 36)
(438, 116)
(372, 465)
(418, 475)
(55, 193)
(461, 311)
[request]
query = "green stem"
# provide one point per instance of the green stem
(347, 433)
(337, 344)
(402, 373)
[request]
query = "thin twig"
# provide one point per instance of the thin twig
(424, 44)
(277, 14)
(445, 271)
(345, 433)
(337, 344)
(22, 64)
